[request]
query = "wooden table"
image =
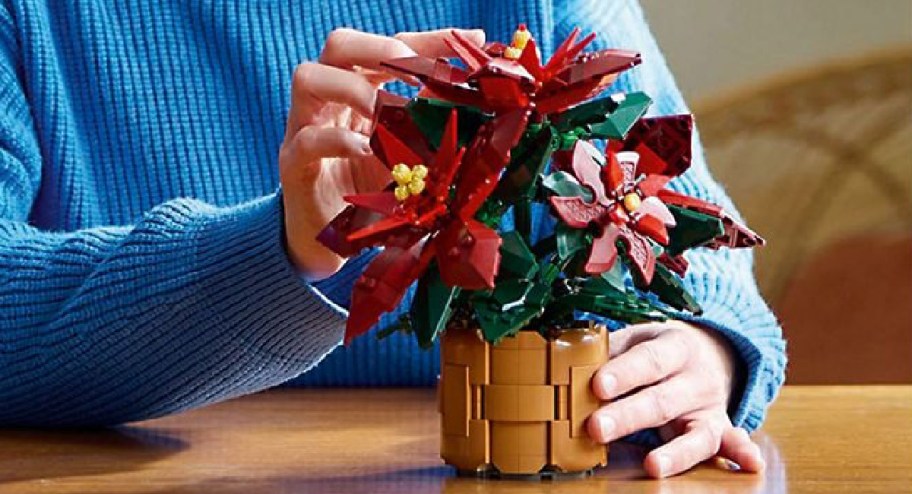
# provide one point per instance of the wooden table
(818, 439)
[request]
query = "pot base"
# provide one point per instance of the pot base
(547, 473)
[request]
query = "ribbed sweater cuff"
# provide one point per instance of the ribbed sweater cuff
(243, 248)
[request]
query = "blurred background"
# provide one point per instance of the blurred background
(805, 109)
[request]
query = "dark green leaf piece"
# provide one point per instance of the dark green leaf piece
(498, 320)
(431, 116)
(431, 307)
(692, 229)
(622, 119)
(563, 184)
(615, 276)
(670, 290)
(584, 114)
(569, 241)
(597, 296)
(527, 161)
(516, 259)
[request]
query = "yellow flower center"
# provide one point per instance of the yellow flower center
(520, 39)
(409, 181)
(632, 201)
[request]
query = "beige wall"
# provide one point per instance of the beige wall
(716, 45)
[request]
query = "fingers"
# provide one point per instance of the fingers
(432, 44)
(623, 340)
(643, 364)
(654, 406)
(738, 447)
(700, 441)
(313, 143)
(348, 48)
(315, 84)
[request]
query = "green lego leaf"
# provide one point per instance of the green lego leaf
(527, 161)
(597, 296)
(670, 290)
(570, 241)
(692, 229)
(565, 185)
(509, 308)
(622, 119)
(585, 113)
(516, 258)
(615, 276)
(431, 307)
(431, 116)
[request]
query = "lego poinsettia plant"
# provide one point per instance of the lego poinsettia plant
(478, 151)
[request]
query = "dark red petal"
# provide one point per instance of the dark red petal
(639, 251)
(446, 161)
(390, 112)
(382, 285)
(559, 58)
(530, 61)
(612, 173)
(652, 227)
(391, 150)
(503, 93)
(663, 143)
(576, 212)
(604, 250)
(468, 255)
(689, 202)
(488, 154)
(335, 235)
(652, 184)
(383, 202)
(678, 263)
(376, 232)
(473, 56)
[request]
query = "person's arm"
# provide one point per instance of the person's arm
(190, 305)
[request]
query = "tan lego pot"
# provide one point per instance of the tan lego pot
(520, 407)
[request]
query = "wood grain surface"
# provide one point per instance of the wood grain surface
(817, 439)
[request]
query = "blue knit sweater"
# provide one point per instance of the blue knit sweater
(142, 268)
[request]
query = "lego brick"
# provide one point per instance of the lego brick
(561, 403)
(477, 402)
(582, 401)
(575, 348)
(572, 454)
(465, 347)
(519, 448)
(521, 359)
(455, 400)
(471, 452)
(518, 403)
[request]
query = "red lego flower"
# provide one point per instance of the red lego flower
(426, 214)
(624, 207)
(503, 78)
(629, 198)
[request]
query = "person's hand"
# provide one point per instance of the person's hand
(326, 153)
(676, 377)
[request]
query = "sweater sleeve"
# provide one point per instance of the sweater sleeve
(722, 281)
(190, 305)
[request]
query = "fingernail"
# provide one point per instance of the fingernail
(606, 427)
(664, 464)
(726, 464)
(607, 383)
(366, 147)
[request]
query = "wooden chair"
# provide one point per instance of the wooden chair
(820, 163)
